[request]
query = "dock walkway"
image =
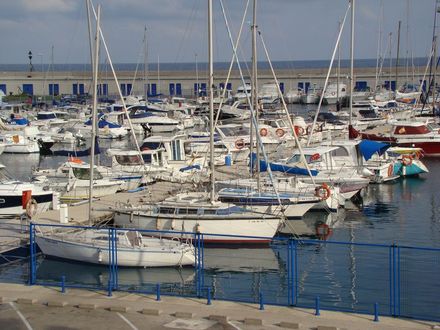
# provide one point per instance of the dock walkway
(38, 307)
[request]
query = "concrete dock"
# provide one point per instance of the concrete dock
(37, 307)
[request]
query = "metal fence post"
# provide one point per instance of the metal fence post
(199, 266)
(115, 258)
(109, 288)
(398, 281)
(32, 250)
(157, 292)
(317, 303)
(261, 302)
(376, 312)
(208, 296)
(63, 284)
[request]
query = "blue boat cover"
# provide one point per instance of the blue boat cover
(78, 153)
(277, 167)
(369, 148)
(18, 121)
(102, 123)
(188, 168)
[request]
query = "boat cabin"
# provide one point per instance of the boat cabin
(173, 145)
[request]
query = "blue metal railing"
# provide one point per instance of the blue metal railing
(330, 275)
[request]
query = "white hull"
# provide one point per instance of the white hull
(82, 192)
(20, 148)
(292, 211)
(11, 198)
(126, 257)
(261, 230)
(164, 128)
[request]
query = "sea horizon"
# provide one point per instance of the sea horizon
(191, 66)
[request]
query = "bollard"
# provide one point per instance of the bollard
(317, 312)
(109, 288)
(376, 312)
(261, 302)
(209, 296)
(63, 284)
(157, 292)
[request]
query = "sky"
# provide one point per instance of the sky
(177, 29)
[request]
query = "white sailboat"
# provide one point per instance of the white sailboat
(201, 212)
(95, 246)
(133, 250)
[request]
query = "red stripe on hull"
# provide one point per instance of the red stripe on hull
(429, 148)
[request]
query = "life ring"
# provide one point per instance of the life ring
(263, 131)
(390, 170)
(31, 207)
(418, 154)
(323, 192)
(299, 130)
(323, 231)
(280, 132)
(239, 144)
(407, 160)
(315, 157)
(333, 93)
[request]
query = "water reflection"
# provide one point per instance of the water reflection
(96, 275)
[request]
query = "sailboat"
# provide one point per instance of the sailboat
(202, 212)
(95, 246)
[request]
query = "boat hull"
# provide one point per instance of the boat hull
(217, 229)
(100, 254)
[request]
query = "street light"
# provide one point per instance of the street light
(31, 67)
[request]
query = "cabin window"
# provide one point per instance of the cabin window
(340, 152)
(147, 158)
(84, 174)
(167, 210)
(234, 131)
(192, 211)
(128, 160)
(294, 159)
(175, 145)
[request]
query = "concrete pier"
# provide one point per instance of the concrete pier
(29, 307)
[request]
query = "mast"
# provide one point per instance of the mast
(197, 76)
(211, 100)
(351, 62)
(145, 64)
(95, 105)
(158, 74)
(52, 73)
(397, 57)
(434, 44)
(338, 72)
(391, 63)
(89, 26)
(379, 48)
(255, 88)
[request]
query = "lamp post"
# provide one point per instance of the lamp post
(31, 67)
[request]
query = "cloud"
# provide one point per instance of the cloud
(53, 6)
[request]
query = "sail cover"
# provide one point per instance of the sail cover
(369, 148)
